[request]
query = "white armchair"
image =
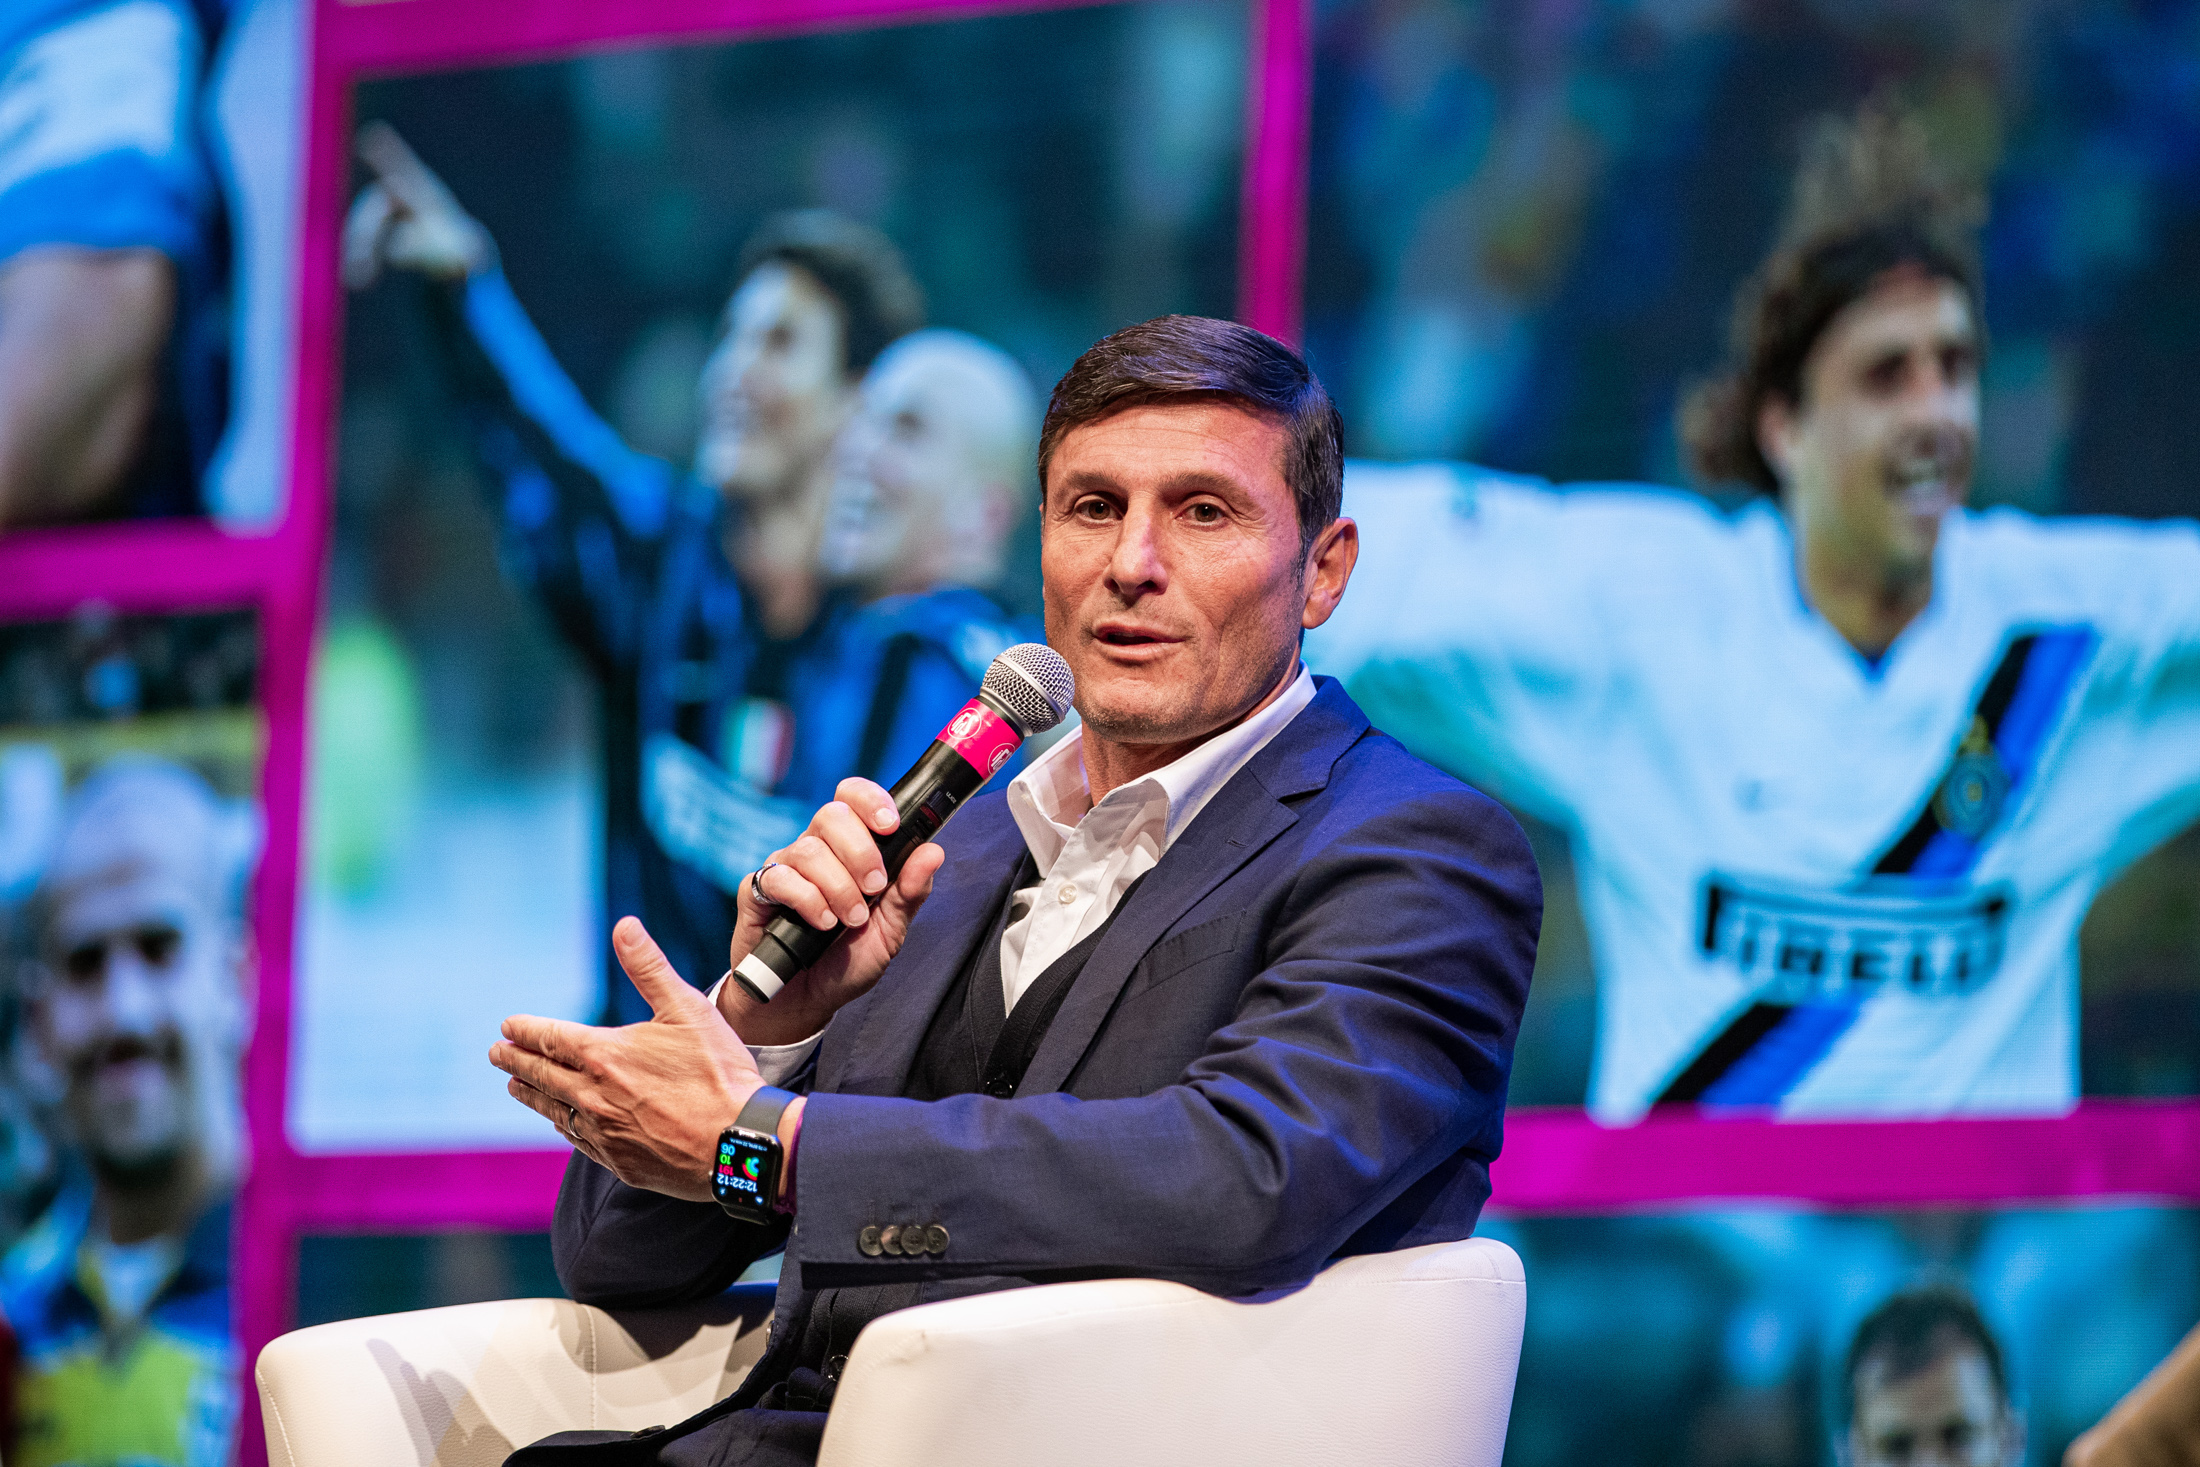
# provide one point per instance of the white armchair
(1399, 1358)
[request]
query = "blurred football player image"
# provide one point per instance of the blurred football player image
(1843, 769)
(740, 682)
(141, 1005)
(114, 261)
(1926, 1385)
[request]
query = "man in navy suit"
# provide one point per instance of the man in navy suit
(1218, 990)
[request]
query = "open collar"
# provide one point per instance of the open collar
(1051, 799)
(1250, 810)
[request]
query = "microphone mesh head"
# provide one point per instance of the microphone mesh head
(1032, 681)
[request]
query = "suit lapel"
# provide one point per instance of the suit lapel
(1237, 825)
(970, 888)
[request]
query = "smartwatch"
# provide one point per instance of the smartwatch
(745, 1178)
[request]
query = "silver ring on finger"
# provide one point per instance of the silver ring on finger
(756, 883)
(572, 1118)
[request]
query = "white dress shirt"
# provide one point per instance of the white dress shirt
(1088, 855)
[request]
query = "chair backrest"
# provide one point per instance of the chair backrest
(467, 1385)
(1389, 1360)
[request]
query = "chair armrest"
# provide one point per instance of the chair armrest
(467, 1385)
(1397, 1357)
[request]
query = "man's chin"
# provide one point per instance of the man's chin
(131, 1164)
(859, 561)
(131, 1119)
(1915, 539)
(1131, 719)
(745, 468)
(1920, 508)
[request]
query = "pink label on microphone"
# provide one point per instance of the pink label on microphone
(982, 737)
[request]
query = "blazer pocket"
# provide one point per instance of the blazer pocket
(1180, 953)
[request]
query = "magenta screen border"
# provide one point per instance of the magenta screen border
(1556, 1160)
(290, 1194)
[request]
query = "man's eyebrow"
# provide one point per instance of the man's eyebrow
(1206, 481)
(1088, 479)
(1194, 481)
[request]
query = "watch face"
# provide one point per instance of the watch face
(747, 1171)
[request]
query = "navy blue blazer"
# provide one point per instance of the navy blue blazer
(1292, 1044)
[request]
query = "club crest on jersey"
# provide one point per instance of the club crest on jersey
(1970, 798)
(1796, 945)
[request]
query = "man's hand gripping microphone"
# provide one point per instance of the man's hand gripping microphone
(1027, 691)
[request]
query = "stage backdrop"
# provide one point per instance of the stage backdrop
(1527, 232)
(1047, 173)
(1046, 176)
(1513, 231)
(1528, 225)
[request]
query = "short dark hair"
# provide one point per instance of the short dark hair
(1186, 358)
(858, 266)
(1869, 200)
(1915, 1328)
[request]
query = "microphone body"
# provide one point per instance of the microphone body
(968, 752)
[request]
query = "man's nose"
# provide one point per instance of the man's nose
(1946, 395)
(1942, 420)
(1135, 567)
(729, 369)
(133, 990)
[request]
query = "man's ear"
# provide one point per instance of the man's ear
(1779, 431)
(1328, 568)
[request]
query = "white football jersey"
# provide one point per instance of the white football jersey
(1814, 886)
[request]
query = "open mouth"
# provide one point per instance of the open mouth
(1931, 487)
(1125, 636)
(124, 1055)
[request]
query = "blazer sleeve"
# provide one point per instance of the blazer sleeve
(584, 520)
(1374, 1044)
(619, 1247)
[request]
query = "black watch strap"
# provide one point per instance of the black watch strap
(764, 1109)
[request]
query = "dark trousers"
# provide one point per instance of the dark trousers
(756, 1437)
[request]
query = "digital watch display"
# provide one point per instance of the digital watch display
(746, 1176)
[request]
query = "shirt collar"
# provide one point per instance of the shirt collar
(1051, 798)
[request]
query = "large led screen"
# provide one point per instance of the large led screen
(147, 197)
(1772, 1334)
(616, 344)
(130, 835)
(1854, 805)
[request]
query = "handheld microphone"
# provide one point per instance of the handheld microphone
(1026, 691)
